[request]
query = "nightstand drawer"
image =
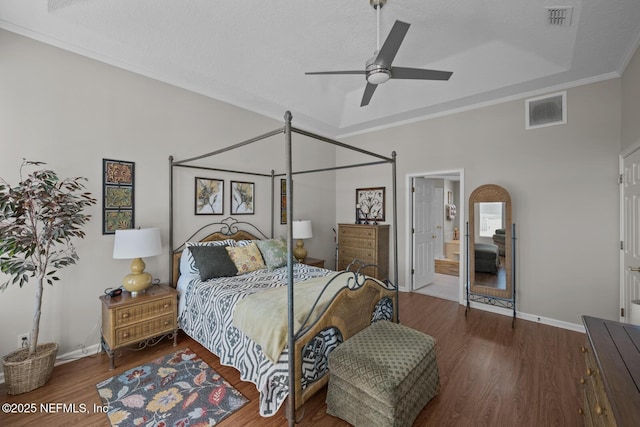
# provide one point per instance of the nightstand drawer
(133, 313)
(144, 330)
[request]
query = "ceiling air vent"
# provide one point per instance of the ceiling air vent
(559, 16)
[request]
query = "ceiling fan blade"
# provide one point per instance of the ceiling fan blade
(391, 45)
(338, 72)
(368, 93)
(419, 73)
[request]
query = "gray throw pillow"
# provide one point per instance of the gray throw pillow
(213, 261)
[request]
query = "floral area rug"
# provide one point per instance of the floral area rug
(179, 389)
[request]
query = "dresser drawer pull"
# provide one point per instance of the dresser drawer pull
(589, 372)
(583, 349)
(598, 409)
(125, 335)
(166, 305)
(125, 315)
(166, 323)
(582, 381)
(580, 411)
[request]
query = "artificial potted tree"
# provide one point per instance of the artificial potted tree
(38, 219)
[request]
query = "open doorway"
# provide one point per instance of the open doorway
(436, 265)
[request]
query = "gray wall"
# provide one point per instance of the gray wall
(630, 84)
(562, 180)
(72, 112)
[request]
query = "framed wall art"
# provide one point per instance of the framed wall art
(242, 198)
(209, 196)
(370, 203)
(118, 195)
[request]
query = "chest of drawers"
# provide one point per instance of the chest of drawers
(611, 381)
(367, 243)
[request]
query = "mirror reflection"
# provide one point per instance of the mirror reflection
(490, 260)
(489, 245)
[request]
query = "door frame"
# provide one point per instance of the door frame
(461, 211)
(623, 289)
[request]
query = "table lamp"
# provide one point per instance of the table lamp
(136, 244)
(301, 230)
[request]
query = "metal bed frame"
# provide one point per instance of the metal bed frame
(288, 130)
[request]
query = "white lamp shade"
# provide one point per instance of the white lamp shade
(137, 243)
(302, 229)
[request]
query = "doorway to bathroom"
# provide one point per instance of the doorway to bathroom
(435, 234)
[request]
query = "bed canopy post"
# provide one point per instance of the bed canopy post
(291, 407)
(171, 219)
(273, 205)
(395, 231)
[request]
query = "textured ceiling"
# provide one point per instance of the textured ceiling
(254, 54)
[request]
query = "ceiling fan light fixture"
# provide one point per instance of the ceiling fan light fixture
(378, 68)
(378, 76)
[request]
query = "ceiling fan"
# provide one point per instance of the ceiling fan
(378, 68)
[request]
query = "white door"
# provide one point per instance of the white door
(437, 215)
(630, 286)
(423, 270)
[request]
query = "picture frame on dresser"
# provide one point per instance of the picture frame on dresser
(370, 202)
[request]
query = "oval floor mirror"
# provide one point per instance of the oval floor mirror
(491, 248)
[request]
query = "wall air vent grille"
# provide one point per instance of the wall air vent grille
(546, 110)
(559, 16)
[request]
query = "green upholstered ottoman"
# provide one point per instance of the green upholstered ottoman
(382, 376)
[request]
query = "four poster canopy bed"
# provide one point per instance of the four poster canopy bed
(238, 299)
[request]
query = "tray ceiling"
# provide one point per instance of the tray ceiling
(254, 54)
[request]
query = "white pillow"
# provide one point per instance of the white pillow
(188, 263)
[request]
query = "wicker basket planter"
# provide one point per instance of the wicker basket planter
(23, 373)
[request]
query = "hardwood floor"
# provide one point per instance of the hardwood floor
(491, 375)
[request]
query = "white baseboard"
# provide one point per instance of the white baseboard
(526, 316)
(70, 356)
(520, 315)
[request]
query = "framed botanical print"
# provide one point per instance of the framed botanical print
(370, 204)
(117, 195)
(242, 198)
(209, 196)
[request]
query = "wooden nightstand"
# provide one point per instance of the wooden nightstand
(314, 262)
(143, 320)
